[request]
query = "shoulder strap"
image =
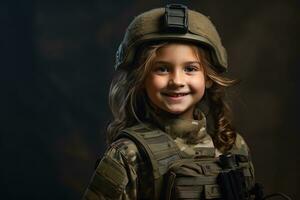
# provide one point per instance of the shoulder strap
(157, 147)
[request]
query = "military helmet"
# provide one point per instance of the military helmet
(174, 22)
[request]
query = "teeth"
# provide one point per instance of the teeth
(177, 95)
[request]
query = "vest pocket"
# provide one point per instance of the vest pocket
(193, 179)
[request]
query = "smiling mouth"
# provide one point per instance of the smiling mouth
(175, 94)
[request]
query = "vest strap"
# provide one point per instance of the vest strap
(157, 147)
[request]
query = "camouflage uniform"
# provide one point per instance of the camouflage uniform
(123, 161)
(123, 173)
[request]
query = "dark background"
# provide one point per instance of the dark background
(57, 63)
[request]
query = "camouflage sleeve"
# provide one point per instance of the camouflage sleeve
(116, 175)
(241, 144)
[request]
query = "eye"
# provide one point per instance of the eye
(191, 68)
(161, 69)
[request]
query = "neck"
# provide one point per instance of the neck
(188, 125)
(188, 115)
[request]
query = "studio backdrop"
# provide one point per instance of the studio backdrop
(56, 68)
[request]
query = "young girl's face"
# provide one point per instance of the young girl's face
(176, 81)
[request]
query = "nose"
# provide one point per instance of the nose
(177, 79)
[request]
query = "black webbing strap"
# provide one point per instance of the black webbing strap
(176, 18)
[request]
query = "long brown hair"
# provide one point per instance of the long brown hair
(127, 96)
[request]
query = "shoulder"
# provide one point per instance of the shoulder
(123, 149)
(240, 146)
(240, 142)
(110, 178)
(120, 154)
(130, 141)
(116, 173)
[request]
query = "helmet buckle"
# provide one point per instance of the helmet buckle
(176, 18)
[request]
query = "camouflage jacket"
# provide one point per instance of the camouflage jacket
(123, 164)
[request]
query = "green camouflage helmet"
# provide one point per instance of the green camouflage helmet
(174, 22)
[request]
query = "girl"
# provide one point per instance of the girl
(172, 135)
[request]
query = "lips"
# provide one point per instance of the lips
(175, 94)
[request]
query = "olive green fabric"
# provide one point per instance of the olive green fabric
(126, 164)
(196, 178)
(158, 149)
(149, 27)
(193, 179)
(110, 178)
(189, 177)
(130, 176)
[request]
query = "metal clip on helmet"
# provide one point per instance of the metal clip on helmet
(175, 22)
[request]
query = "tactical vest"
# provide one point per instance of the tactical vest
(178, 177)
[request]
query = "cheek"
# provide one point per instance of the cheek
(198, 84)
(154, 84)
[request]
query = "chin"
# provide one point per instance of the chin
(176, 112)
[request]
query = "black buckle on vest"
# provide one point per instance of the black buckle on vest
(176, 18)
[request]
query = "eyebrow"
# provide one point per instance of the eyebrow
(185, 63)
